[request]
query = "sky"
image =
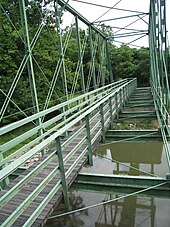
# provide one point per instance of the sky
(92, 13)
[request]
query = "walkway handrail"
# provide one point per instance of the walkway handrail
(163, 117)
(7, 170)
(31, 118)
(102, 110)
(84, 102)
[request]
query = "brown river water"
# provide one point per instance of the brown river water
(128, 158)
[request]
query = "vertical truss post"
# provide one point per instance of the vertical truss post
(89, 140)
(30, 62)
(102, 122)
(80, 56)
(159, 37)
(100, 73)
(108, 61)
(62, 171)
(158, 50)
(103, 57)
(153, 39)
(164, 55)
(60, 43)
(92, 58)
(111, 112)
(101, 60)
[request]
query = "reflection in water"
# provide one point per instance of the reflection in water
(133, 211)
(129, 158)
(76, 202)
(138, 154)
(140, 210)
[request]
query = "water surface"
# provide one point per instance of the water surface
(129, 158)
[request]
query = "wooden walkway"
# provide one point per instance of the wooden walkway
(140, 106)
(26, 189)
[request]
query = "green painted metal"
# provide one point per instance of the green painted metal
(132, 135)
(60, 63)
(19, 72)
(74, 119)
(118, 18)
(121, 180)
(102, 122)
(4, 182)
(117, 108)
(14, 189)
(63, 70)
(110, 201)
(101, 74)
(108, 61)
(92, 53)
(80, 56)
(109, 100)
(30, 62)
(90, 95)
(89, 140)
(119, 184)
(159, 68)
(62, 171)
(111, 112)
(83, 19)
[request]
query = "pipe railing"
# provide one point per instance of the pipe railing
(101, 111)
(39, 143)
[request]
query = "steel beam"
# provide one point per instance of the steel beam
(62, 171)
(94, 180)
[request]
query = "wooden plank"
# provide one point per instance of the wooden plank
(10, 206)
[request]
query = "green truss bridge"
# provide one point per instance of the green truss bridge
(44, 151)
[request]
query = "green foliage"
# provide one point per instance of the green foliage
(136, 125)
(125, 61)
(15, 133)
(130, 62)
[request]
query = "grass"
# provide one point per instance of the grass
(13, 134)
(136, 125)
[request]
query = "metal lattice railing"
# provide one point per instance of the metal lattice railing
(74, 111)
(101, 105)
(159, 55)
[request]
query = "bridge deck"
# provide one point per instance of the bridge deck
(71, 168)
(26, 189)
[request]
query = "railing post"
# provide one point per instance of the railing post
(64, 108)
(102, 122)
(79, 109)
(89, 140)
(116, 103)
(124, 96)
(111, 112)
(127, 92)
(5, 182)
(62, 172)
(120, 94)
